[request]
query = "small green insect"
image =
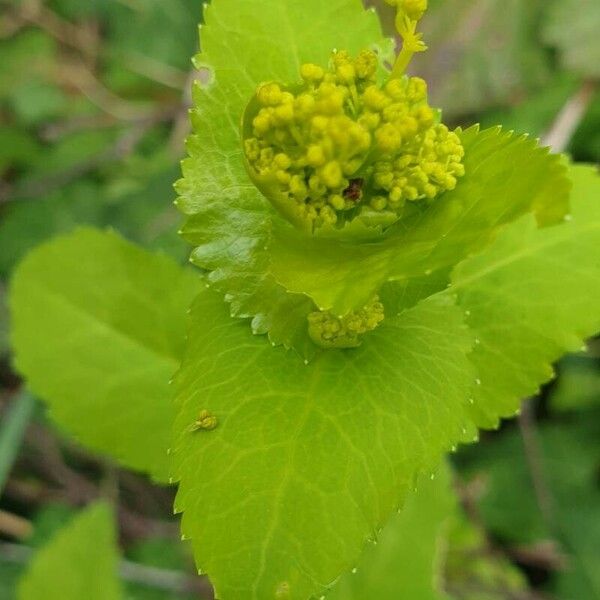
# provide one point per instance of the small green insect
(206, 421)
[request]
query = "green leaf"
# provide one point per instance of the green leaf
(79, 562)
(407, 559)
(308, 461)
(495, 191)
(98, 330)
(530, 298)
(277, 274)
(228, 219)
(572, 26)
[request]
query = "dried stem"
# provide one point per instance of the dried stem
(535, 463)
(568, 119)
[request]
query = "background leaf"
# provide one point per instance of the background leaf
(572, 26)
(482, 53)
(570, 456)
(530, 298)
(98, 330)
(79, 562)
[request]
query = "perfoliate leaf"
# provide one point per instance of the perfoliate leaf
(303, 463)
(531, 297)
(277, 274)
(495, 191)
(229, 221)
(79, 562)
(406, 562)
(98, 330)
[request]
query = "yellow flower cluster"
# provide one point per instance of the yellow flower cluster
(329, 331)
(340, 144)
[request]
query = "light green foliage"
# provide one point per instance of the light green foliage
(530, 298)
(407, 560)
(79, 562)
(526, 304)
(98, 330)
(255, 256)
(572, 26)
(307, 462)
(481, 52)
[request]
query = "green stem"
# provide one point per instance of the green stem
(12, 432)
(402, 62)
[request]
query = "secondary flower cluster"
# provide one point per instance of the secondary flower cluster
(329, 331)
(340, 145)
(413, 9)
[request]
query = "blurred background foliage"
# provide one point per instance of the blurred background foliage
(94, 97)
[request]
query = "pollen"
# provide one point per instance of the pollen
(329, 331)
(314, 142)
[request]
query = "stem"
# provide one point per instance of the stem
(402, 62)
(533, 456)
(12, 432)
(568, 119)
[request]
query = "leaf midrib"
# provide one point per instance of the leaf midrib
(172, 361)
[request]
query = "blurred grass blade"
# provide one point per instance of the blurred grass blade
(12, 430)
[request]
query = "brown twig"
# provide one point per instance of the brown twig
(79, 38)
(544, 554)
(535, 463)
(78, 490)
(14, 526)
(568, 119)
(181, 124)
